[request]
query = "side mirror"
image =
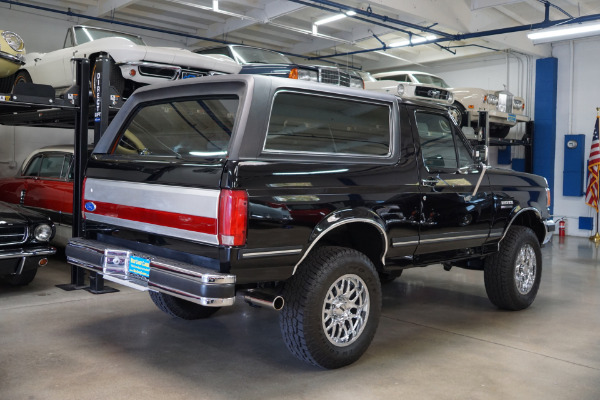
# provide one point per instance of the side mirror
(480, 153)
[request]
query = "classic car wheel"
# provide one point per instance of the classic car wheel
(332, 310)
(116, 78)
(23, 279)
(180, 308)
(22, 77)
(512, 275)
(458, 112)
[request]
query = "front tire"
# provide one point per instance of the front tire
(23, 279)
(512, 275)
(21, 77)
(333, 305)
(176, 307)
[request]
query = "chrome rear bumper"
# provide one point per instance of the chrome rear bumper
(190, 282)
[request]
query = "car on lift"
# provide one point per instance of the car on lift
(133, 63)
(504, 109)
(256, 60)
(12, 56)
(24, 237)
(45, 184)
(409, 90)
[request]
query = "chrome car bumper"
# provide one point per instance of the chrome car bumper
(190, 282)
(35, 252)
(19, 60)
(550, 226)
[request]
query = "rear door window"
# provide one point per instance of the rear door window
(302, 123)
(182, 129)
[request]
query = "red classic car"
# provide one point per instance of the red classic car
(45, 184)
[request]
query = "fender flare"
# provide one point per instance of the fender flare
(514, 216)
(344, 217)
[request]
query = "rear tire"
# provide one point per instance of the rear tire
(23, 279)
(512, 276)
(333, 305)
(176, 307)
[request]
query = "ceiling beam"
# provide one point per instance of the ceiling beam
(270, 11)
(106, 7)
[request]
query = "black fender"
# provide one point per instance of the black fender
(341, 218)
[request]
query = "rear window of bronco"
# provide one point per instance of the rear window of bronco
(199, 127)
(302, 123)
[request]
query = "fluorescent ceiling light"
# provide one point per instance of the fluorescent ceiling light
(334, 17)
(415, 40)
(566, 32)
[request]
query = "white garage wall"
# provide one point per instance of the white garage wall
(583, 92)
(44, 32)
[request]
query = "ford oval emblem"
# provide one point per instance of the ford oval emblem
(91, 207)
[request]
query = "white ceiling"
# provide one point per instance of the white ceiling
(287, 25)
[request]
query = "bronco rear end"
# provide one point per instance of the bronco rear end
(159, 211)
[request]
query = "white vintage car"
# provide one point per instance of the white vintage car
(504, 109)
(410, 90)
(133, 63)
(12, 56)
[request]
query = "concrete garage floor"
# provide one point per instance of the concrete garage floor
(439, 338)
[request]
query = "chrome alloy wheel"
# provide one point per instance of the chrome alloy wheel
(525, 269)
(345, 310)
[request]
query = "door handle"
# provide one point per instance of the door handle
(430, 181)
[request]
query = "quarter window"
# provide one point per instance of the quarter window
(310, 124)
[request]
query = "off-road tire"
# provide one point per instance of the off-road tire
(22, 279)
(180, 308)
(304, 321)
(519, 255)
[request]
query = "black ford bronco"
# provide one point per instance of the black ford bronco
(302, 197)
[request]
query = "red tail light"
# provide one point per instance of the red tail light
(233, 217)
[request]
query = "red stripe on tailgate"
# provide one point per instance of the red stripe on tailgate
(162, 218)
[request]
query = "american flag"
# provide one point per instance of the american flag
(591, 193)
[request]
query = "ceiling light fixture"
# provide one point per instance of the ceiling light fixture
(335, 17)
(414, 40)
(564, 33)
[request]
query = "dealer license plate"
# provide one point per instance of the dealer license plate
(123, 263)
(512, 117)
(186, 75)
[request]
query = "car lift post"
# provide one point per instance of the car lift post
(79, 162)
(100, 80)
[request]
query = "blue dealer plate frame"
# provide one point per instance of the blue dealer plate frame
(139, 266)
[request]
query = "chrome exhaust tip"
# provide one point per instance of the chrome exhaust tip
(258, 298)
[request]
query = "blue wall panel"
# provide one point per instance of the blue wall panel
(574, 169)
(544, 138)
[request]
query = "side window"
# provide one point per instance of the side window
(34, 167)
(67, 168)
(403, 78)
(314, 124)
(440, 147)
(52, 166)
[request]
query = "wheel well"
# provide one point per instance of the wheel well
(531, 220)
(360, 236)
